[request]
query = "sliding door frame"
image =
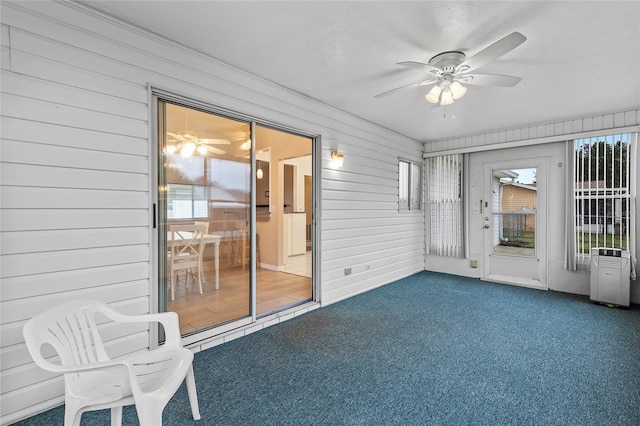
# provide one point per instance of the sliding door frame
(156, 168)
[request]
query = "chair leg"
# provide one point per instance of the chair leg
(193, 395)
(71, 417)
(150, 413)
(116, 416)
(174, 276)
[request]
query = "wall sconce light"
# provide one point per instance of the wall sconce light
(337, 158)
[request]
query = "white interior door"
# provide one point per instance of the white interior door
(514, 222)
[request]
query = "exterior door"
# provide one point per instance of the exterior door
(514, 222)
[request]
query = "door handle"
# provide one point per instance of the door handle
(486, 226)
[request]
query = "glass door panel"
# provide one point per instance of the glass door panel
(284, 194)
(514, 212)
(205, 178)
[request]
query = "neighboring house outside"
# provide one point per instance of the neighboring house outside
(518, 197)
(596, 216)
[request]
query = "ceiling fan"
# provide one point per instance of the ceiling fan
(448, 70)
(187, 143)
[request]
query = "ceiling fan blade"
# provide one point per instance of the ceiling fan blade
(419, 83)
(175, 136)
(497, 49)
(215, 141)
(421, 65)
(490, 80)
(214, 150)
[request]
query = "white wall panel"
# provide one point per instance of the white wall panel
(46, 134)
(72, 198)
(56, 177)
(76, 174)
(549, 132)
(37, 154)
(66, 115)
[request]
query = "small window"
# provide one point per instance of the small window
(409, 185)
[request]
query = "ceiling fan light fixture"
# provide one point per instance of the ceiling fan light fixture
(202, 150)
(447, 98)
(457, 90)
(434, 94)
(188, 149)
(171, 149)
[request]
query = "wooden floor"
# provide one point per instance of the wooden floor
(275, 290)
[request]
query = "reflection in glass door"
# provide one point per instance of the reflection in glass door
(205, 178)
(257, 247)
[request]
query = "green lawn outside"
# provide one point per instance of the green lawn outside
(527, 239)
(585, 241)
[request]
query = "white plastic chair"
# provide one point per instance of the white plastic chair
(187, 250)
(93, 381)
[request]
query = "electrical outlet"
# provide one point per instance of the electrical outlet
(473, 263)
(347, 271)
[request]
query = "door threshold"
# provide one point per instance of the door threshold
(520, 282)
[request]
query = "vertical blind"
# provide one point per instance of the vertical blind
(603, 194)
(446, 206)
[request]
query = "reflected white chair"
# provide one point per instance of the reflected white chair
(94, 381)
(206, 231)
(186, 254)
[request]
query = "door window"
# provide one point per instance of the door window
(514, 201)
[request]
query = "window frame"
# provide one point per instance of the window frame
(406, 180)
(592, 195)
(445, 215)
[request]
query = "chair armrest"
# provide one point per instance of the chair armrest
(169, 321)
(121, 369)
(115, 366)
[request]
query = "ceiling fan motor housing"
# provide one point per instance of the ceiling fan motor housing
(447, 61)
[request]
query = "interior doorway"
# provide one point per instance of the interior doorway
(282, 232)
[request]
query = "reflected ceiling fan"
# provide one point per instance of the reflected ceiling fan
(447, 71)
(187, 143)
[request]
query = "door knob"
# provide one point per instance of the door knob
(486, 226)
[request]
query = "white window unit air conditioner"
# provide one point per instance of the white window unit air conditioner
(610, 269)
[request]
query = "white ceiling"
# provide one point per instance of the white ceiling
(579, 59)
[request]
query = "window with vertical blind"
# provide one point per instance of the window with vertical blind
(604, 193)
(446, 235)
(409, 185)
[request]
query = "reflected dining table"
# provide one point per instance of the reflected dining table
(207, 239)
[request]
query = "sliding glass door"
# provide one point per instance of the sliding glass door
(244, 184)
(205, 177)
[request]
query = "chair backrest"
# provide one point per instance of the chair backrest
(70, 328)
(187, 243)
(206, 225)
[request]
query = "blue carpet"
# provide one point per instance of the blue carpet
(430, 349)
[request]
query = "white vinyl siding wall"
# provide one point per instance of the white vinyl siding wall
(76, 177)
